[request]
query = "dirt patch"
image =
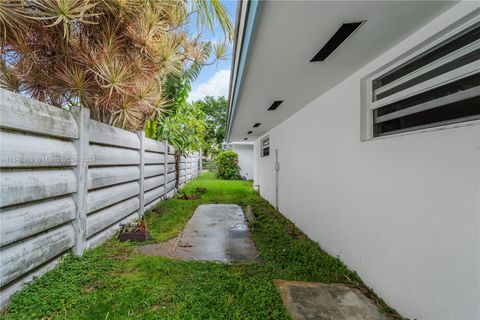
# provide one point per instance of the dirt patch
(188, 196)
(201, 190)
(249, 214)
(156, 210)
(197, 194)
(163, 249)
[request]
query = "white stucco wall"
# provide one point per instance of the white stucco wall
(245, 159)
(403, 211)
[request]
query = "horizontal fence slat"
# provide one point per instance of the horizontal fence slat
(170, 186)
(154, 146)
(153, 204)
(19, 283)
(28, 115)
(24, 186)
(21, 222)
(107, 176)
(106, 234)
(102, 133)
(170, 194)
(101, 198)
(154, 194)
(171, 176)
(23, 150)
(111, 156)
(154, 170)
(104, 218)
(154, 158)
(171, 149)
(171, 168)
(153, 182)
(171, 159)
(25, 256)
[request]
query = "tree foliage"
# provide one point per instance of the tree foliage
(117, 57)
(184, 129)
(177, 87)
(227, 165)
(215, 110)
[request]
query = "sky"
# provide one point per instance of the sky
(214, 79)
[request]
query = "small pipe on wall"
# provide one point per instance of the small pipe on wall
(277, 168)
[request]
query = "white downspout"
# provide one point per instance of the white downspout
(277, 168)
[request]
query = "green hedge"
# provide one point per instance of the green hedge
(227, 165)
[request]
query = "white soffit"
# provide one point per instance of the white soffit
(287, 36)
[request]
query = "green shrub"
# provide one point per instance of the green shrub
(227, 165)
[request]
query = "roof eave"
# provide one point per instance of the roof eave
(246, 17)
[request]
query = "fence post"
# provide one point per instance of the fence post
(165, 169)
(141, 166)
(185, 170)
(200, 164)
(197, 165)
(82, 144)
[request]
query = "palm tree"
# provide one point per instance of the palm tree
(116, 57)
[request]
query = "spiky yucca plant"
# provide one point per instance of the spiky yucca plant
(112, 56)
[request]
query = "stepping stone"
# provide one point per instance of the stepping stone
(216, 232)
(312, 300)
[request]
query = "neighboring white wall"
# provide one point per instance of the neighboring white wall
(245, 159)
(403, 211)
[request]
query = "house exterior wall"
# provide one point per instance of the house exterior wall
(403, 211)
(245, 159)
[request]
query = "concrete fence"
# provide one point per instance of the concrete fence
(69, 182)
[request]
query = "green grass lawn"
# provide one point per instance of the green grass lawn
(116, 281)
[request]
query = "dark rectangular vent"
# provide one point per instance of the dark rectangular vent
(275, 105)
(249, 132)
(256, 125)
(336, 40)
(439, 86)
(265, 144)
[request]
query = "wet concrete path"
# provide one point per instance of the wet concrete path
(216, 232)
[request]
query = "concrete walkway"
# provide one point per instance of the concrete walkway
(216, 232)
(313, 300)
(219, 232)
